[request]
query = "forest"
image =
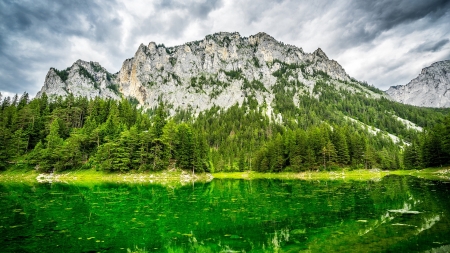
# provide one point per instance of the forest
(58, 134)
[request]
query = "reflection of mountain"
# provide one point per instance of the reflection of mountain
(394, 214)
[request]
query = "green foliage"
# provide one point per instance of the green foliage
(133, 101)
(184, 145)
(110, 76)
(159, 120)
(63, 74)
(96, 67)
(254, 85)
(114, 88)
(368, 86)
(284, 68)
(151, 84)
(255, 62)
(431, 148)
(234, 74)
(298, 131)
(173, 61)
(83, 72)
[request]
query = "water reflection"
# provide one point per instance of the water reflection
(406, 214)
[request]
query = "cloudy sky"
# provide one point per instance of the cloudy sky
(383, 42)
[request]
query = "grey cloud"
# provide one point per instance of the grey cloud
(61, 18)
(34, 36)
(351, 22)
(431, 46)
(387, 14)
(195, 9)
(363, 21)
(191, 11)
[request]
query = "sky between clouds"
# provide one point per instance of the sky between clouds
(384, 42)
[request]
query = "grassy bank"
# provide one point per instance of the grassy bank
(172, 177)
(25, 175)
(430, 173)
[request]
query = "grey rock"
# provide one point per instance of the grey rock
(156, 72)
(86, 79)
(201, 74)
(430, 89)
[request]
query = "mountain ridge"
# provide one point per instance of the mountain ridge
(83, 78)
(224, 103)
(429, 89)
(220, 70)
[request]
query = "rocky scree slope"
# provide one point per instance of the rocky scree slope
(430, 89)
(221, 70)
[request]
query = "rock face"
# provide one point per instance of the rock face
(430, 89)
(87, 79)
(221, 70)
(183, 75)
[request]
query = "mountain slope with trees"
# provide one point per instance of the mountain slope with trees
(226, 103)
(111, 135)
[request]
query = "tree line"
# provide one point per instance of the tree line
(104, 134)
(68, 133)
(430, 148)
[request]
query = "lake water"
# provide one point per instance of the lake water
(395, 214)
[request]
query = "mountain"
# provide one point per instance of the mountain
(429, 89)
(225, 103)
(85, 79)
(220, 70)
(226, 69)
(256, 73)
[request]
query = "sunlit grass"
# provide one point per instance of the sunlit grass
(179, 177)
(92, 176)
(343, 174)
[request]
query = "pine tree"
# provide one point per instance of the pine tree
(340, 143)
(159, 120)
(160, 155)
(241, 162)
(184, 147)
(50, 155)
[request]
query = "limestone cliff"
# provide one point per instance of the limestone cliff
(222, 69)
(214, 71)
(87, 79)
(430, 89)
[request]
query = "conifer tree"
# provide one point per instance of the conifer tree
(184, 147)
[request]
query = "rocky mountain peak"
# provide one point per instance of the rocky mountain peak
(151, 47)
(429, 89)
(88, 79)
(200, 74)
(224, 35)
(320, 54)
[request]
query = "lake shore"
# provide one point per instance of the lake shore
(184, 177)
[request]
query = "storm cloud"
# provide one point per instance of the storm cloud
(382, 42)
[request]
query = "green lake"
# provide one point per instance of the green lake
(394, 214)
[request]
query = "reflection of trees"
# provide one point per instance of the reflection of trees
(403, 208)
(238, 214)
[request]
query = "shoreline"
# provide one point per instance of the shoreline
(180, 177)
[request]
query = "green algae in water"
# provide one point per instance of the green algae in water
(403, 214)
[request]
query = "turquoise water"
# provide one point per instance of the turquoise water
(401, 214)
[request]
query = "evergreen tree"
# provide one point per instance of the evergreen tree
(51, 155)
(159, 120)
(184, 147)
